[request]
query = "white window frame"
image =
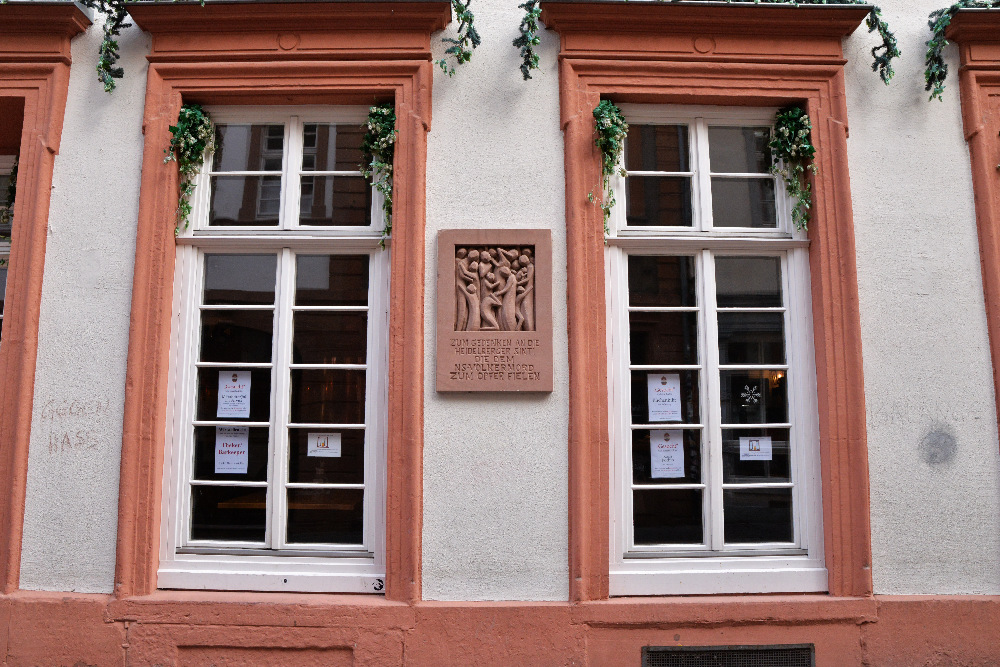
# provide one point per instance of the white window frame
(202, 564)
(713, 569)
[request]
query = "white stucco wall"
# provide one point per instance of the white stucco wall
(71, 505)
(932, 433)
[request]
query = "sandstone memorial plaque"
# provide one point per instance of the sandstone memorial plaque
(494, 327)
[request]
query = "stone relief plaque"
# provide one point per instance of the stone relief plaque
(494, 328)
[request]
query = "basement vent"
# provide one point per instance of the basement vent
(794, 655)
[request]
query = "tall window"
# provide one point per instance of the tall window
(276, 465)
(715, 440)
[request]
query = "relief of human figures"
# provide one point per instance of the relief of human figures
(494, 288)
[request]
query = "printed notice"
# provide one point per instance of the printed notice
(664, 396)
(755, 448)
(666, 454)
(234, 394)
(323, 444)
(232, 450)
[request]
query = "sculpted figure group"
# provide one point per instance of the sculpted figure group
(494, 289)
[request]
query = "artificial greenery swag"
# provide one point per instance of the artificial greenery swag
(936, 70)
(192, 136)
(528, 39)
(378, 148)
(611, 130)
(791, 157)
(115, 20)
(468, 38)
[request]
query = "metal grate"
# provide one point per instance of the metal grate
(797, 655)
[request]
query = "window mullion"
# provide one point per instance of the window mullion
(291, 178)
(704, 178)
(278, 470)
(189, 340)
(712, 405)
(791, 381)
(623, 390)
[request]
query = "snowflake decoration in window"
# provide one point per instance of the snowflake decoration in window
(750, 395)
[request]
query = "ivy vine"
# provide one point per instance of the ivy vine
(528, 39)
(378, 148)
(468, 38)
(192, 136)
(936, 71)
(611, 130)
(791, 154)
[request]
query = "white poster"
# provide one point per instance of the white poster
(234, 394)
(232, 449)
(664, 396)
(323, 444)
(666, 453)
(756, 448)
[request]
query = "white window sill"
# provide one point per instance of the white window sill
(272, 574)
(713, 576)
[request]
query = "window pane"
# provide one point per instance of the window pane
(331, 147)
(335, 201)
(3, 287)
(329, 396)
(330, 338)
(737, 471)
(331, 280)
(245, 200)
(661, 281)
(757, 515)
(346, 468)
(666, 516)
(754, 397)
(663, 338)
(230, 513)
(658, 201)
(205, 459)
(739, 150)
(689, 406)
(248, 147)
(748, 282)
(327, 516)
(208, 394)
(743, 202)
(657, 148)
(642, 459)
(234, 336)
(751, 338)
(240, 280)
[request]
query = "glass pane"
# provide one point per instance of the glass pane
(757, 515)
(666, 516)
(739, 150)
(3, 287)
(240, 280)
(748, 282)
(208, 394)
(326, 516)
(335, 201)
(661, 281)
(329, 396)
(754, 397)
(643, 396)
(331, 147)
(674, 465)
(341, 461)
(245, 200)
(751, 338)
(658, 201)
(657, 148)
(331, 280)
(248, 147)
(205, 459)
(743, 202)
(768, 460)
(663, 338)
(230, 513)
(330, 338)
(234, 336)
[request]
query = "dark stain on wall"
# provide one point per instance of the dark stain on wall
(939, 445)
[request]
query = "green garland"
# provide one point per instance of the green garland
(936, 70)
(528, 39)
(192, 137)
(468, 38)
(611, 130)
(378, 148)
(791, 155)
(115, 14)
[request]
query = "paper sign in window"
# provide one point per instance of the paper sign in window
(756, 448)
(232, 450)
(234, 394)
(664, 396)
(666, 454)
(323, 444)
